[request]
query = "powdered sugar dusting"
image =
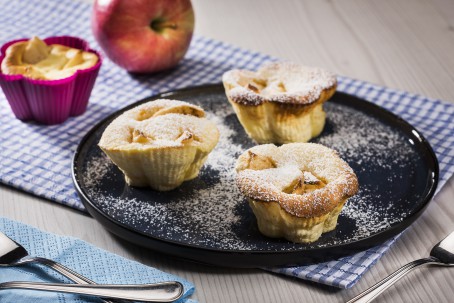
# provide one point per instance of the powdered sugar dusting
(281, 82)
(258, 180)
(160, 124)
(98, 168)
(210, 212)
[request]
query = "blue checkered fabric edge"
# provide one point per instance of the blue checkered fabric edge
(342, 273)
(37, 159)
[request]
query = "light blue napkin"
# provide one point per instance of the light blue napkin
(96, 264)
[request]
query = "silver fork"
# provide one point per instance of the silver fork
(442, 254)
(158, 292)
(14, 254)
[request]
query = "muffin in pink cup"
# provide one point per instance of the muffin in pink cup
(48, 80)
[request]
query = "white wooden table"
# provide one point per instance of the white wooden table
(403, 44)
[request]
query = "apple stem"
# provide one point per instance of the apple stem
(159, 25)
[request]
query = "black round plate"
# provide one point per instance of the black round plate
(207, 219)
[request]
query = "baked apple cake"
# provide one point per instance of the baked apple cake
(36, 60)
(160, 144)
(297, 190)
(280, 103)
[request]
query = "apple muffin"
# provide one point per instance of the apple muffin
(48, 80)
(160, 144)
(297, 190)
(36, 60)
(280, 103)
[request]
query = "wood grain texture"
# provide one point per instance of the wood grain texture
(403, 44)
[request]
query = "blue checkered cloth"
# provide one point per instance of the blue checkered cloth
(37, 159)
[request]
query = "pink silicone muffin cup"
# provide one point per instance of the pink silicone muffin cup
(50, 101)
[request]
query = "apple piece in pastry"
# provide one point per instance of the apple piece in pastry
(280, 103)
(297, 190)
(160, 144)
(36, 60)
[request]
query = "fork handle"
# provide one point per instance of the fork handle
(65, 271)
(370, 294)
(159, 292)
(68, 273)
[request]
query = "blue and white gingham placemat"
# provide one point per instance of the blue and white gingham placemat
(37, 159)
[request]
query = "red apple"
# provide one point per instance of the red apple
(143, 36)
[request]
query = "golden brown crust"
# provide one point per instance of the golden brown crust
(281, 102)
(259, 180)
(160, 143)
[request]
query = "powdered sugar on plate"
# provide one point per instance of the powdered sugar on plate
(209, 211)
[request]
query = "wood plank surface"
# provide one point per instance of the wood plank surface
(403, 44)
